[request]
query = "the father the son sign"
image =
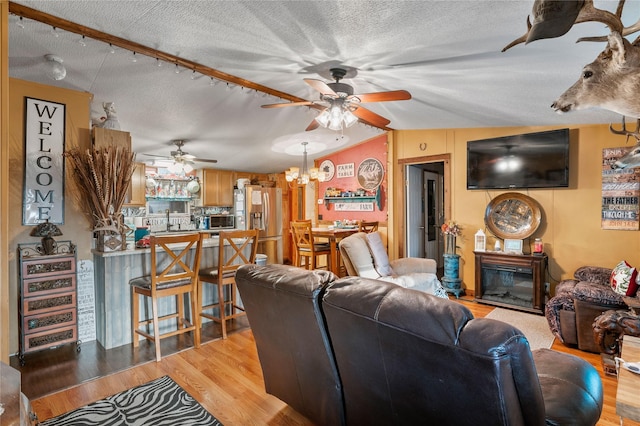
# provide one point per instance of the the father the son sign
(44, 163)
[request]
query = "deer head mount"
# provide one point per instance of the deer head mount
(610, 82)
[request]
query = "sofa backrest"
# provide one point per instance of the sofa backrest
(283, 309)
(406, 357)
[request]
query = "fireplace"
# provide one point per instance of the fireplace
(511, 280)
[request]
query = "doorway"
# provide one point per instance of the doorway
(425, 210)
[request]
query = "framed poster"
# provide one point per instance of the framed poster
(620, 192)
(44, 139)
(328, 167)
(345, 170)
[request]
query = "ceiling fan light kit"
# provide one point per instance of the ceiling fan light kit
(341, 106)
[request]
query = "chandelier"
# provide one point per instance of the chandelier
(304, 175)
(337, 116)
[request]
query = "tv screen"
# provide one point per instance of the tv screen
(532, 160)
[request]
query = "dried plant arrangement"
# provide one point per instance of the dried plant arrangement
(103, 177)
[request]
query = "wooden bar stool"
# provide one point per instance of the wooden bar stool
(178, 278)
(306, 247)
(237, 248)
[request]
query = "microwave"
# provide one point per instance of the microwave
(221, 221)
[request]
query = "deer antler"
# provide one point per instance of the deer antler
(625, 132)
(553, 19)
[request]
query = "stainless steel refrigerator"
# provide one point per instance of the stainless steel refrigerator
(256, 207)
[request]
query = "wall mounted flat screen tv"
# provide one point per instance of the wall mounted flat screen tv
(532, 160)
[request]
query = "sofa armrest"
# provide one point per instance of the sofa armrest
(410, 265)
(596, 293)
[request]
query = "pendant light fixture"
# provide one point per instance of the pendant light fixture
(304, 175)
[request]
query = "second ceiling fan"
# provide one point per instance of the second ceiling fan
(341, 107)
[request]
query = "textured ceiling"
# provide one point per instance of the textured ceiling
(446, 53)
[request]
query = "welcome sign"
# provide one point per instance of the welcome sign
(44, 162)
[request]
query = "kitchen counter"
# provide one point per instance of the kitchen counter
(112, 272)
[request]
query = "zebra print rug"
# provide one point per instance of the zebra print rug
(160, 402)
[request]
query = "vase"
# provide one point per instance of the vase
(450, 244)
(451, 279)
(109, 241)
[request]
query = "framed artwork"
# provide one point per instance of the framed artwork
(512, 216)
(44, 139)
(345, 170)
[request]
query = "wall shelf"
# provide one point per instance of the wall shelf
(357, 199)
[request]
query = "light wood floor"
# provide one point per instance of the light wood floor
(225, 377)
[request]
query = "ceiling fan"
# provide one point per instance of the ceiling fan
(338, 100)
(182, 157)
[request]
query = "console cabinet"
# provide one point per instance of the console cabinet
(48, 300)
(511, 280)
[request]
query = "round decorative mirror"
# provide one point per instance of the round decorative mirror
(512, 215)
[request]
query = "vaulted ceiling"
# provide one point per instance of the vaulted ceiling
(447, 54)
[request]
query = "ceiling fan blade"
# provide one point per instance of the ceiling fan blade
(394, 95)
(155, 155)
(286, 104)
(313, 125)
(320, 86)
(204, 160)
(370, 117)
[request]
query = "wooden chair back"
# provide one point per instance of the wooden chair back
(183, 267)
(302, 234)
(237, 248)
(367, 227)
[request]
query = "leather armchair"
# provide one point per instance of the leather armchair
(577, 303)
(364, 256)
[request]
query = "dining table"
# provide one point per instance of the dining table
(334, 235)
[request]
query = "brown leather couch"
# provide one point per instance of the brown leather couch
(576, 304)
(357, 351)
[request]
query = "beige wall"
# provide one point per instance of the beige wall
(76, 227)
(570, 227)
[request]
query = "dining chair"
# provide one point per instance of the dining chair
(175, 260)
(236, 248)
(367, 227)
(307, 249)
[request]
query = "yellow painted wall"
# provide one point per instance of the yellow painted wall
(570, 227)
(76, 227)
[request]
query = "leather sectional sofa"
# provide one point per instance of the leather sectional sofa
(357, 351)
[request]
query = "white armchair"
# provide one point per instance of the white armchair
(364, 255)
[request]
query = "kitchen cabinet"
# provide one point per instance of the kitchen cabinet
(136, 194)
(217, 187)
(48, 299)
(108, 137)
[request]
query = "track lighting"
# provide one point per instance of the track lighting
(82, 42)
(54, 32)
(133, 57)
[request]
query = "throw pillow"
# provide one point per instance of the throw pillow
(379, 253)
(623, 279)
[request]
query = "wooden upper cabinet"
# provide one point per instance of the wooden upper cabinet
(217, 187)
(136, 193)
(108, 137)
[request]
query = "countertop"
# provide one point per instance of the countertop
(212, 241)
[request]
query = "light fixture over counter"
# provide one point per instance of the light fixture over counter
(304, 175)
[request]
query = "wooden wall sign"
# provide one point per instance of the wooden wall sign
(44, 139)
(620, 192)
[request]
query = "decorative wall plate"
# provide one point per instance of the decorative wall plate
(512, 215)
(329, 168)
(370, 173)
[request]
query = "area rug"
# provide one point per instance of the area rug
(160, 402)
(534, 327)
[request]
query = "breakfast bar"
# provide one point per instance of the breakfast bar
(113, 270)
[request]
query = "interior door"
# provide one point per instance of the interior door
(434, 208)
(415, 219)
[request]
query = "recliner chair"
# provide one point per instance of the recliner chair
(577, 303)
(365, 256)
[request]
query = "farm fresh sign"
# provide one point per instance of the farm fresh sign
(44, 164)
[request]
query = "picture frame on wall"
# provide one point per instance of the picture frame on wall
(345, 170)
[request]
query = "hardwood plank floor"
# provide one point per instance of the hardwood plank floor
(225, 377)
